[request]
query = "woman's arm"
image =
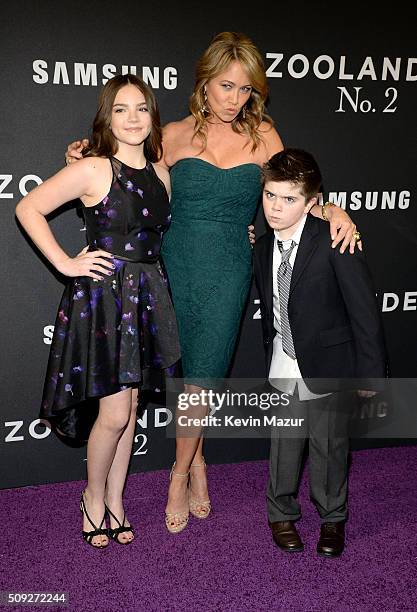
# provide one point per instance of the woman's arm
(173, 136)
(342, 227)
(273, 144)
(70, 183)
(272, 140)
(166, 145)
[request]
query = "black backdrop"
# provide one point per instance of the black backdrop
(342, 85)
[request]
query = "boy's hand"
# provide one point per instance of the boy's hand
(73, 152)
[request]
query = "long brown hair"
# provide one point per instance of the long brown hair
(102, 142)
(224, 49)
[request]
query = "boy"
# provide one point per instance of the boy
(321, 330)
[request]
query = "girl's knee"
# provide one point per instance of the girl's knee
(116, 420)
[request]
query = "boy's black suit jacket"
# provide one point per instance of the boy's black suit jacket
(332, 310)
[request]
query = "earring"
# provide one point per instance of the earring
(244, 112)
(204, 108)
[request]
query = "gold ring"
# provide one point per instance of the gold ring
(357, 236)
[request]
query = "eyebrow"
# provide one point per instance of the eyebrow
(120, 104)
(281, 195)
(232, 83)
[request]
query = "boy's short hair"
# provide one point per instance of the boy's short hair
(295, 166)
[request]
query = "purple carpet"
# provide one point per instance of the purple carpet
(227, 562)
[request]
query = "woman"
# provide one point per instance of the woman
(115, 323)
(214, 156)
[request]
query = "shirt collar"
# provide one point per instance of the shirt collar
(296, 235)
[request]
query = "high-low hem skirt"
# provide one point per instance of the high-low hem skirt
(109, 335)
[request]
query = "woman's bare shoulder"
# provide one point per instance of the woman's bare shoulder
(177, 138)
(271, 138)
(176, 128)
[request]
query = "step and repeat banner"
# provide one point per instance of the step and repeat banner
(341, 86)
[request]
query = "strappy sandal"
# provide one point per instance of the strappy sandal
(176, 521)
(122, 528)
(199, 509)
(89, 535)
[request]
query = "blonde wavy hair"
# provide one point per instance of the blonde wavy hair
(224, 49)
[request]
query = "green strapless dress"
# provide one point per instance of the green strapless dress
(208, 258)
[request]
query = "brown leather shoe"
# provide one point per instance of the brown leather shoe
(285, 536)
(332, 539)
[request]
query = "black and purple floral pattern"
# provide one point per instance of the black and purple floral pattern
(110, 333)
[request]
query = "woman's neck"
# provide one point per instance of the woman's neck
(132, 156)
(219, 127)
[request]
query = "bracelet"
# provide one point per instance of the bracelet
(323, 210)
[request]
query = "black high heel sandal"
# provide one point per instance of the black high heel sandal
(122, 528)
(89, 535)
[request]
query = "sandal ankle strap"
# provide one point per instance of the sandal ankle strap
(199, 464)
(84, 510)
(178, 473)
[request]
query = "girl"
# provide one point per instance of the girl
(115, 323)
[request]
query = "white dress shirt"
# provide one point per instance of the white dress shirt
(284, 373)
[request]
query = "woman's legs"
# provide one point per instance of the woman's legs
(198, 481)
(189, 449)
(112, 422)
(117, 475)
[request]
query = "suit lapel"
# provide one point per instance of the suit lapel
(308, 244)
(267, 276)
